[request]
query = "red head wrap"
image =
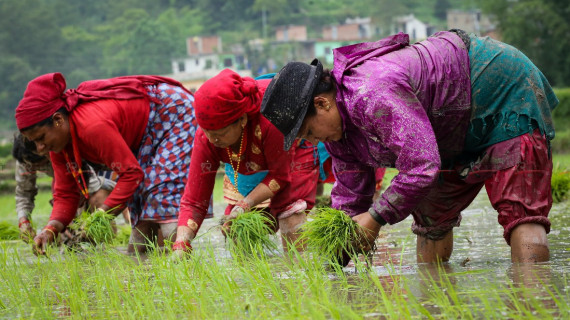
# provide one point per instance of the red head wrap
(42, 98)
(221, 100)
(46, 94)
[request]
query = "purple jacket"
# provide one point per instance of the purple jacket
(402, 106)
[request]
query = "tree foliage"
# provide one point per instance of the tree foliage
(104, 38)
(540, 29)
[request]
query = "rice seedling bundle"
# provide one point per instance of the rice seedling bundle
(8, 231)
(330, 233)
(96, 227)
(123, 235)
(250, 232)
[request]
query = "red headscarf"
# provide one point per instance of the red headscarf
(46, 94)
(221, 100)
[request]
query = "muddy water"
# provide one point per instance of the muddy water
(478, 242)
(480, 254)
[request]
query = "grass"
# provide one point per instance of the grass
(103, 283)
(8, 231)
(250, 231)
(560, 178)
(106, 284)
(330, 233)
(95, 227)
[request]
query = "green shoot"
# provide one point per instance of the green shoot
(330, 233)
(249, 232)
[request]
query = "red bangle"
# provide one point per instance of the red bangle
(182, 245)
(22, 222)
(244, 205)
(52, 229)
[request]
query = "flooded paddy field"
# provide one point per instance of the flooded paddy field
(479, 281)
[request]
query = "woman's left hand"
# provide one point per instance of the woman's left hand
(97, 198)
(369, 232)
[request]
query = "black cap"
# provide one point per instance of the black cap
(288, 97)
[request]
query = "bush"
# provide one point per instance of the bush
(561, 118)
(6, 150)
(560, 184)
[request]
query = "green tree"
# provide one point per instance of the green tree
(440, 9)
(539, 28)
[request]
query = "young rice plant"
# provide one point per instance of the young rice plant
(249, 232)
(96, 227)
(330, 233)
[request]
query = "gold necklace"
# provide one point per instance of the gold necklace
(238, 156)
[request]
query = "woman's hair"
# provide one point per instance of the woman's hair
(326, 84)
(48, 121)
(24, 150)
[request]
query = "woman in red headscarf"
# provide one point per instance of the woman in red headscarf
(233, 131)
(141, 127)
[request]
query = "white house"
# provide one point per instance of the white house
(412, 26)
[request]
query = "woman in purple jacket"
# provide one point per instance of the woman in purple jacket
(451, 113)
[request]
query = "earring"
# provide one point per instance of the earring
(327, 106)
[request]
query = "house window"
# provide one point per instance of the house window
(327, 50)
(181, 66)
(197, 62)
(362, 32)
(209, 64)
(228, 62)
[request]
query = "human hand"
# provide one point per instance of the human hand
(369, 231)
(184, 234)
(234, 213)
(96, 199)
(27, 232)
(43, 239)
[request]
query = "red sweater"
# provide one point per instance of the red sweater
(109, 132)
(264, 151)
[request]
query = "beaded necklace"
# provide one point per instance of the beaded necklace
(75, 169)
(238, 158)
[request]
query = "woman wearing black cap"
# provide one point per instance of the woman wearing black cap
(451, 113)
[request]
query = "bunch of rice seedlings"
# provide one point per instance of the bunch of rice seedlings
(560, 184)
(330, 233)
(249, 233)
(96, 227)
(123, 235)
(9, 231)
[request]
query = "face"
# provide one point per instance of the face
(230, 135)
(50, 138)
(325, 125)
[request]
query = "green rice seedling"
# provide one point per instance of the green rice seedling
(560, 184)
(250, 232)
(331, 233)
(8, 231)
(96, 227)
(123, 235)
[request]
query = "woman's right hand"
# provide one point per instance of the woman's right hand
(184, 234)
(27, 232)
(42, 240)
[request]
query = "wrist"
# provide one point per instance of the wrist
(184, 233)
(244, 204)
(50, 229)
(22, 221)
(183, 245)
(376, 216)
